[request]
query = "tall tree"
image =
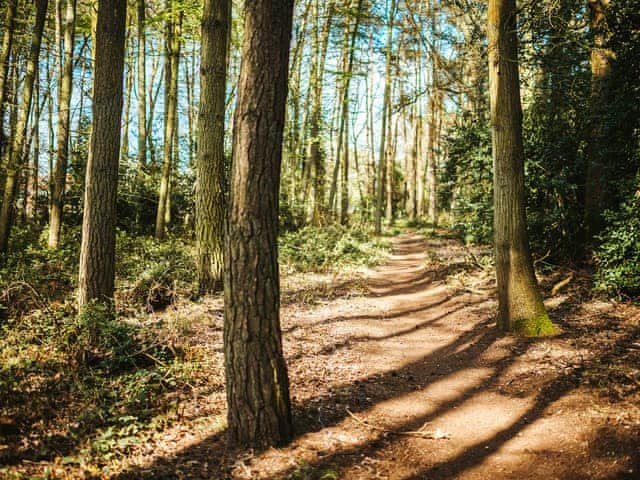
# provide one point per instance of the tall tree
(5, 55)
(386, 106)
(350, 37)
(16, 156)
(520, 306)
(142, 86)
(315, 128)
(97, 251)
(210, 185)
(601, 66)
(259, 411)
(171, 116)
(64, 117)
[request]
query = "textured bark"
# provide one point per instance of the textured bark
(435, 104)
(171, 119)
(382, 164)
(64, 118)
(142, 87)
(256, 375)
(16, 156)
(315, 131)
(97, 251)
(520, 306)
(5, 55)
(601, 65)
(210, 190)
(342, 151)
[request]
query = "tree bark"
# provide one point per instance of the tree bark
(380, 197)
(16, 156)
(210, 190)
(5, 55)
(142, 87)
(601, 66)
(171, 118)
(315, 150)
(520, 306)
(97, 251)
(64, 118)
(259, 412)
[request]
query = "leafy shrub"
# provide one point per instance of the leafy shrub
(153, 275)
(618, 257)
(327, 248)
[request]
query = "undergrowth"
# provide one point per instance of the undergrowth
(330, 248)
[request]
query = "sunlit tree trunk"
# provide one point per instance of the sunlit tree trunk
(259, 410)
(5, 55)
(210, 187)
(171, 118)
(67, 23)
(520, 306)
(315, 132)
(142, 86)
(382, 175)
(97, 251)
(16, 156)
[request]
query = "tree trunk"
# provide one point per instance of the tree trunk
(171, 118)
(210, 185)
(315, 149)
(380, 197)
(520, 306)
(259, 412)
(64, 118)
(97, 251)
(5, 55)
(16, 156)
(601, 65)
(350, 38)
(142, 88)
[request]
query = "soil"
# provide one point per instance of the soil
(402, 374)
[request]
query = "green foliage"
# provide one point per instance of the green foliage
(467, 182)
(618, 257)
(153, 274)
(329, 248)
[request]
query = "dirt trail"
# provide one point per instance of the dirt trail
(412, 381)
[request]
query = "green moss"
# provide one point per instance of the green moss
(539, 326)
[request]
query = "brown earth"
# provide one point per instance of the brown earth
(412, 381)
(400, 373)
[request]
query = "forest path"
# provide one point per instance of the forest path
(412, 380)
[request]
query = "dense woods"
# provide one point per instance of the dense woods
(177, 177)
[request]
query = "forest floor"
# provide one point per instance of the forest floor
(400, 373)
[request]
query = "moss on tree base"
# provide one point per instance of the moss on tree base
(539, 326)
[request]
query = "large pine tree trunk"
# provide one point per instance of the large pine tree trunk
(257, 383)
(520, 306)
(64, 119)
(210, 190)
(16, 156)
(97, 251)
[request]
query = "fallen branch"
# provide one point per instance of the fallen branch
(436, 434)
(560, 285)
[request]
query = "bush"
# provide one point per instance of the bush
(153, 275)
(618, 257)
(329, 248)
